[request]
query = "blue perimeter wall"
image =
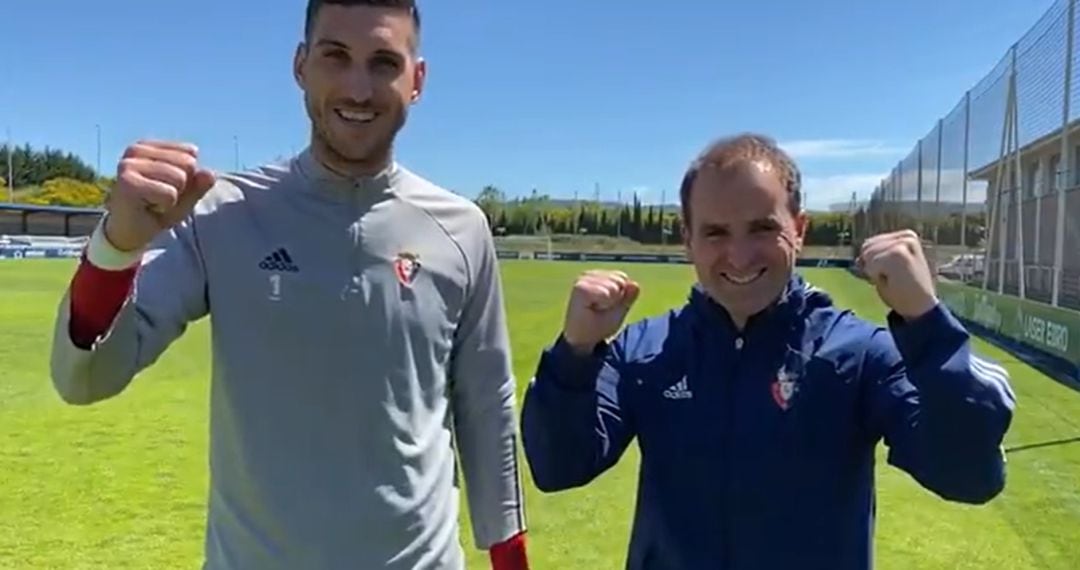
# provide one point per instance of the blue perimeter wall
(642, 258)
(37, 252)
(60, 251)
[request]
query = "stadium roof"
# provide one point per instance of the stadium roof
(35, 209)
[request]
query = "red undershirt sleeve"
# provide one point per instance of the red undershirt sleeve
(102, 282)
(96, 298)
(510, 554)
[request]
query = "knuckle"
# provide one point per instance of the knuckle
(129, 164)
(185, 161)
(178, 173)
(127, 178)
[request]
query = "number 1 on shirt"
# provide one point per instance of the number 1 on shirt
(275, 287)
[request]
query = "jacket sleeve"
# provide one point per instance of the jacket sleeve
(574, 425)
(943, 410)
(484, 407)
(169, 292)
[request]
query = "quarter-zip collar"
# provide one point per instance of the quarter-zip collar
(325, 182)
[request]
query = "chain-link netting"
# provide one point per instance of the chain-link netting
(986, 187)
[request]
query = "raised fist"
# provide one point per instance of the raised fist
(895, 264)
(598, 305)
(158, 184)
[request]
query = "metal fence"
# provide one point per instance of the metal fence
(987, 188)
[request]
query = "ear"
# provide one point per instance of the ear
(419, 78)
(298, 63)
(684, 232)
(802, 223)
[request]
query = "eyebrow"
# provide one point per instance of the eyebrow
(755, 223)
(324, 42)
(712, 227)
(389, 52)
(331, 43)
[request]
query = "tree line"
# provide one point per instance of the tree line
(32, 167)
(952, 228)
(539, 214)
(61, 178)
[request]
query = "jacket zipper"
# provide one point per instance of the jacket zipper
(728, 381)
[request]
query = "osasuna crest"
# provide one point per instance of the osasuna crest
(784, 388)
(406, 266)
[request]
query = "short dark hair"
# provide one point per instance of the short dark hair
(313, 7)
(746, 147)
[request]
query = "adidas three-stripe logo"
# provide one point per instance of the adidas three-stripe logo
(679, 391)
(279, 261)
(992, 373)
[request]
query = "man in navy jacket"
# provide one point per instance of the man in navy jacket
(757, 405)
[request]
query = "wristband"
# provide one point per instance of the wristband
(104, 255)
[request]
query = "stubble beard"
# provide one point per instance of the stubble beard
(336, 156)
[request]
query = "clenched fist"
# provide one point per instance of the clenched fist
(895, 264)
(157, 185)
(598, 304)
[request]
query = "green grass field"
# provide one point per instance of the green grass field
(122, 484)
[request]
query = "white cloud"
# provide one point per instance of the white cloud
(820, 192)
(839, 148)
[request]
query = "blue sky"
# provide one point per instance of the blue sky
(556, 95)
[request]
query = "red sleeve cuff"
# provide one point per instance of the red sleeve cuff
(96, 298)
(510, 554)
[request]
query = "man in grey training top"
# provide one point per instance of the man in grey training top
(359, 335)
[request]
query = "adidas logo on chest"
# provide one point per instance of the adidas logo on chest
(279, 260)
(679, 391)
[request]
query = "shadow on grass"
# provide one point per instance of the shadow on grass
(1052, 443)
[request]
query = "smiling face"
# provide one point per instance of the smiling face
(742, 236)
(359, 72)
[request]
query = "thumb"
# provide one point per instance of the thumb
(202, 182)
(630, 295)
(881, 286)
(197, 187)
(879, 280)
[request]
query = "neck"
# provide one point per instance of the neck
(342, 166)
(738, 321)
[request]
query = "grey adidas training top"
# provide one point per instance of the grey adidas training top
(359, 334)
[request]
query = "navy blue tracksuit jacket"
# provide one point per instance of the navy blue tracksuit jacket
(757, 447)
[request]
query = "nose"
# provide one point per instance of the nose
(358, 84)
(741, 253)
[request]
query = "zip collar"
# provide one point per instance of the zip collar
(321, 180)
(789, 308)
